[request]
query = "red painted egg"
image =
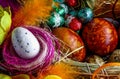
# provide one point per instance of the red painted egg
(73, 40)
(100, 36)
(71, 2)
(73, 23)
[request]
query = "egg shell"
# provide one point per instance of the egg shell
(73, 40)
(25, 43)
(100, 36)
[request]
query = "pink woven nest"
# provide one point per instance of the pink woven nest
(13, 62)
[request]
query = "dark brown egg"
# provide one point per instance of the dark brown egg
(100, 36)
(73, 40)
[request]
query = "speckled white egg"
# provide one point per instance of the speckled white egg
(25, 43)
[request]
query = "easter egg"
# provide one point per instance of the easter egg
(52, 77)
(85, 14)
(3, 76)
(71, 2)
(55, 20)
(100, 36)
(73, 23)
(25, 43)
(28, 49)
(73, 40)
(62, 10)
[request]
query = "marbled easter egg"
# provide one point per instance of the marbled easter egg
(73, 40)
(25, 43)
(100, 36)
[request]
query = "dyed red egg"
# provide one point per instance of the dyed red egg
(71, 2)
(73, 40)
(73, 23)
(100, 36)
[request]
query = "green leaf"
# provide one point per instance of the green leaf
(6, 21)
(2, 36)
